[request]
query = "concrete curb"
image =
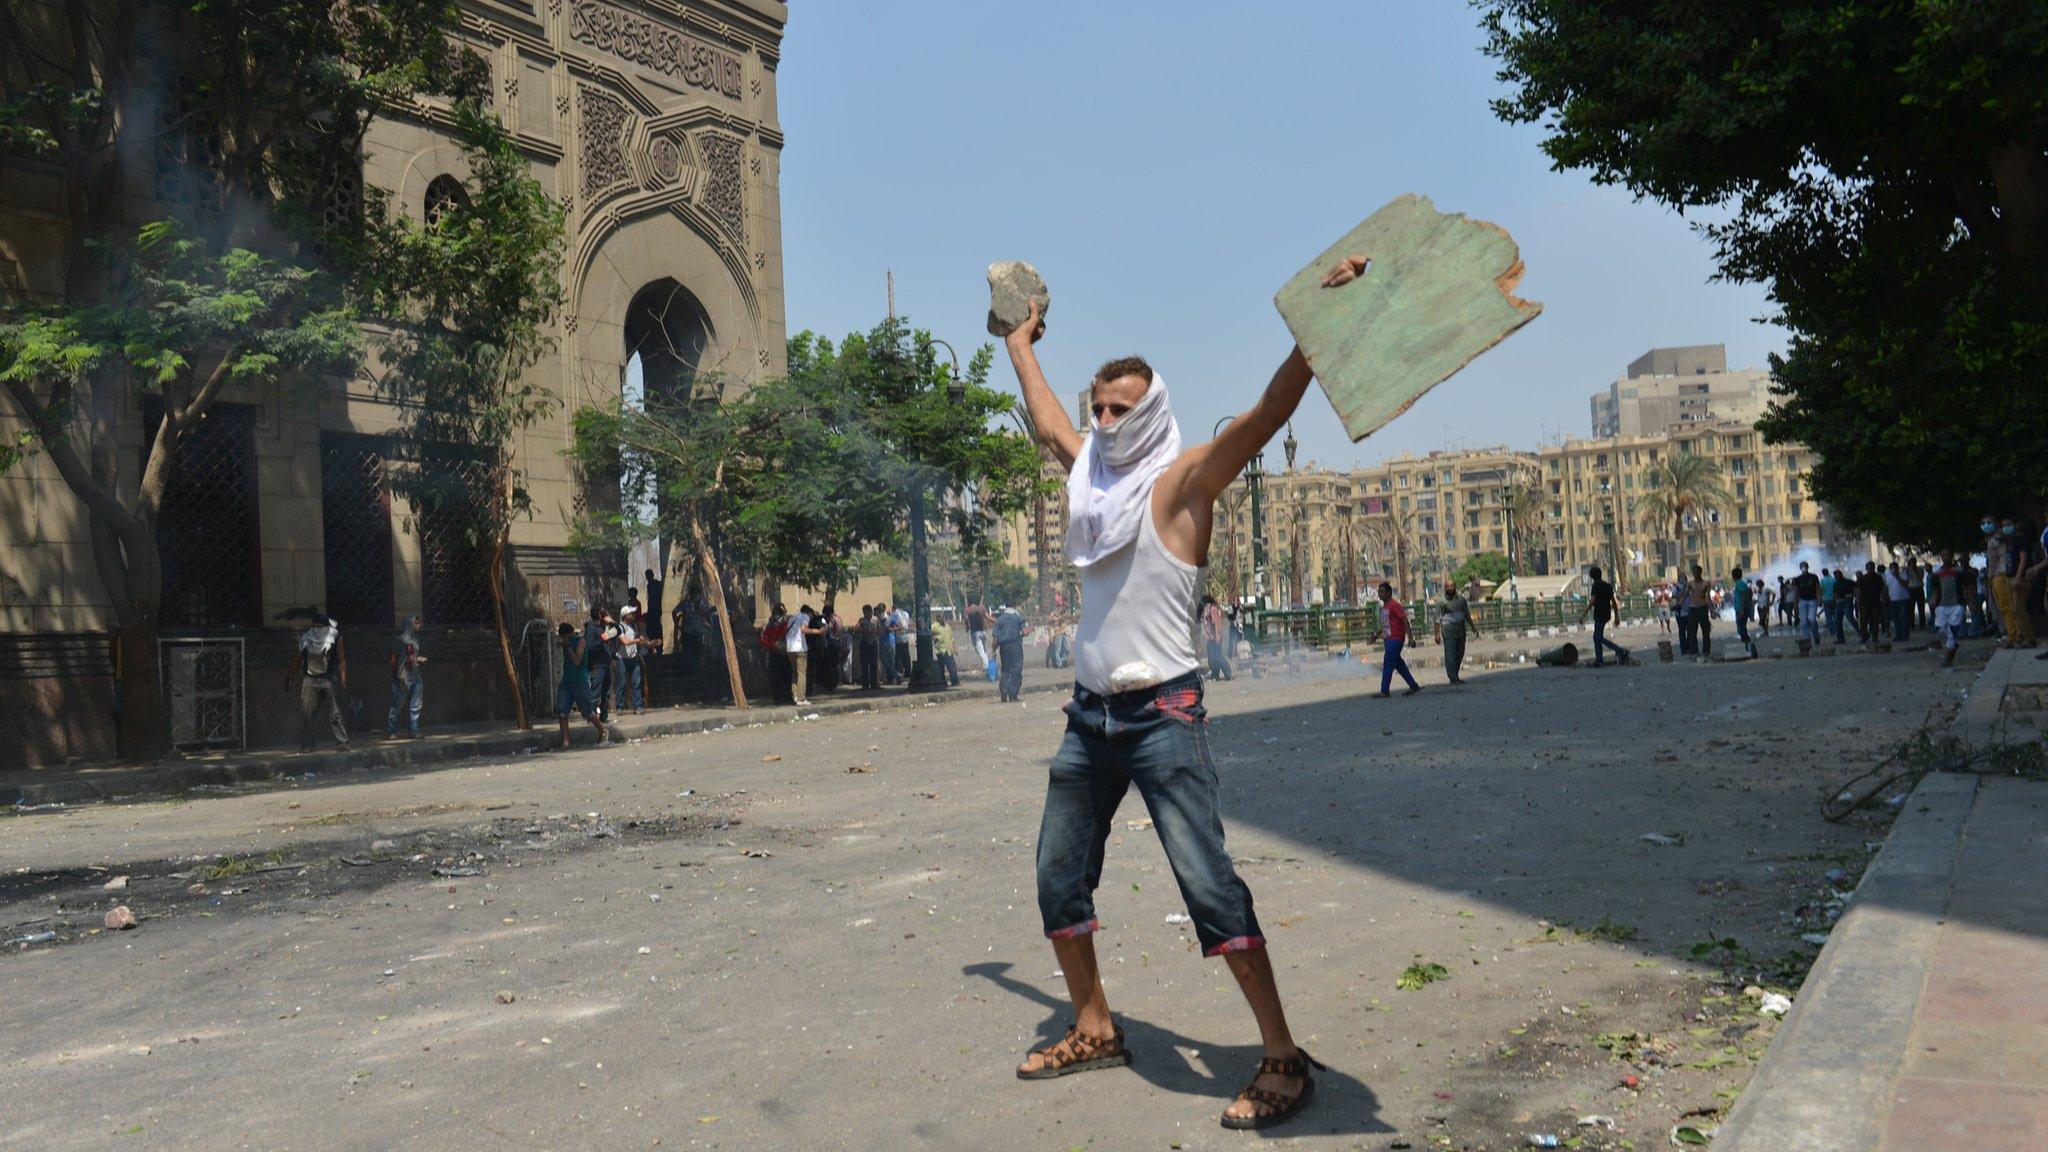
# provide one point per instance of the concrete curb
(1826, 1083)
(176, 776)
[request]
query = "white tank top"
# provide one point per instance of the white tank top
(1137, 605)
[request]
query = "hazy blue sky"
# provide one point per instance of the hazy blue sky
(1167, 164)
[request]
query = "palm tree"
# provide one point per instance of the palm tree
(1524, 501)
(1683, 485)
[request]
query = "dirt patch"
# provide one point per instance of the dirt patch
(69, 904)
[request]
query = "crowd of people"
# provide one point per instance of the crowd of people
(1947, 594)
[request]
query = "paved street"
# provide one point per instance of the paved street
(823, 934)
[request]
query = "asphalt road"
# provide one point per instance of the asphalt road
(824, 935)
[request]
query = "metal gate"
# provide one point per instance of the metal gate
(203, 698)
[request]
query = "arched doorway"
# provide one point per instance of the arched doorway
(668, 337)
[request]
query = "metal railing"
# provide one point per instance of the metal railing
(1337, 626)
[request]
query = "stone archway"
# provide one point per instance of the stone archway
(671, 334)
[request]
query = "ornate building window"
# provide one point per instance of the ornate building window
(445, 194)
(206, 529)
(355, 527)
(185, 157)
(455, 554)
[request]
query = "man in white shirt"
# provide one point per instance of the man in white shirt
(796, 644)
(1141, 520)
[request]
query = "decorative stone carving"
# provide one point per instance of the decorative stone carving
(562, 105)
(641, 41)
(666, 161)
(724, 190)
(754, 165)
(604, 155)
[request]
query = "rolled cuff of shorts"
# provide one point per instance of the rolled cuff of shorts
(1085, 928)
(1237, 944)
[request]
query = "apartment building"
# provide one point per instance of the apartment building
(1597, 513)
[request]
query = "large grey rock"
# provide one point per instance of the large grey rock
(1012, 285)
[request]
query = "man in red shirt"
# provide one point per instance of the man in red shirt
(1393, 626)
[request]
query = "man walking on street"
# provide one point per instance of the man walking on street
(1900, 601)
(407, 686)
(572, 693)
(1009, 633)
(1394, 634)
(1141, 517)
(1806, 586)
(1699, 601)
(1602, 607)
(1453, 619)
(942, 650)
(1215, 633)
(324, 668)
(1742, 595)
(1871, 617)
(597, 658)
(867, 637)
(977, 633)
(796, 643)
(1946, 600)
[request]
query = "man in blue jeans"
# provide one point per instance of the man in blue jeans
(1142, 517)
(1601, 605)
(1394, 631)
(1741, 594)
(407, 684)
(1807, 587)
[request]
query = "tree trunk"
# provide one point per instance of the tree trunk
(710, 563)
(504, 640)
(142, 735)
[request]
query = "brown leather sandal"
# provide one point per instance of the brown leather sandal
(1077, 1052)
(1271, 1107)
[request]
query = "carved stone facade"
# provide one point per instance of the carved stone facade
(655, 122)
(608, 29)
(599, 139)
(724, 192)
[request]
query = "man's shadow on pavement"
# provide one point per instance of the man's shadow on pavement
(1342, 1104)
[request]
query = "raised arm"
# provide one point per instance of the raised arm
(1206, 470)
(1048, 418)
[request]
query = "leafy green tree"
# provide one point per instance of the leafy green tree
(805, 478)
(1009, 584)
(1881, 169)
(466, 304)
(1491, 567)
(225, 280)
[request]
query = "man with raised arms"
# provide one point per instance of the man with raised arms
(1141, 511)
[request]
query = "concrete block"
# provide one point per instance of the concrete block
(1439, 293)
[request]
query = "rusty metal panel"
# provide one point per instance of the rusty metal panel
(1439, 292)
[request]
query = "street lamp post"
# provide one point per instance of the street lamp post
(1043, 579)
(925, 673)
(1254, 480)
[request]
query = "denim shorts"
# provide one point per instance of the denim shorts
(574, 696)
(1156, 738)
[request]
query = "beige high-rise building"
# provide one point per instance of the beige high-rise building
(1665, 387)
(656, 126)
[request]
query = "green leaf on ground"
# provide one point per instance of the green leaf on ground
(1416, 975)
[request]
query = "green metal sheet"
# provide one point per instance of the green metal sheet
(1439, 292)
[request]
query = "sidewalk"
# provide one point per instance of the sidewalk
(452, 743)
(1923, 1021)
